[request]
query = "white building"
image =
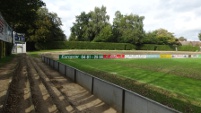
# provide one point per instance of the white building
(19, 43)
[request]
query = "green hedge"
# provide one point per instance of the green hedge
(109, 46)
(188, 48)
(168, 47)
(83, 45)
(157, 47)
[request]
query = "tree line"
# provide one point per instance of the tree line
(33, 18)
(95, 26)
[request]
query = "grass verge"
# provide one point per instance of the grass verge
(5, 60)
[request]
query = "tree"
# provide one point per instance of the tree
(150, 38)
(116, 27)
(56, 33)
(128, 28)
(99, 20)
(182, 38)
(199, 36)
(20, 14)
(79, 31)
(46, 27)
(160, 36)
(88, 25)
(105, 35)
(164, 37)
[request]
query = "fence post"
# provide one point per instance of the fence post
(75, 74)
(58, 66)
(92, 86)
(65, 71)
(123, 101)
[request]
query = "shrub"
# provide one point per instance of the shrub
(157, 47)
(83, 45)
(168, 47)
(188, 48)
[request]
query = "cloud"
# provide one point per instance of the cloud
(180, 5)
(180, 17)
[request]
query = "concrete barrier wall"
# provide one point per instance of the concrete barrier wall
(135, 103)
(51, 63)
(122, 100)
(109, 93)
(56, 65)
(84, 79)
(70, 73)
(43, 58)
(154, 107)
(62, 68)
(46, 60)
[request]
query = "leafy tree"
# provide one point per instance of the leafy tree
(182, 39)
(20, 14)
(164, 37)
(105, 35)
(46, 27)
(116, 27)
(88, 25)
(199, 36)
(99, 20)
(79, 31)
(56, 33)
(160, 36)
(128, 28)
(150, 38)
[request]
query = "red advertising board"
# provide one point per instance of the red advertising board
(114, 56)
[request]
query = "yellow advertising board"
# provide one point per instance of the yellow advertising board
(165, 56)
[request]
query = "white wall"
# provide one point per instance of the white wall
(19, 48)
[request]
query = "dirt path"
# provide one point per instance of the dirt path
(37, 88)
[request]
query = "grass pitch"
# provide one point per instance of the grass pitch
(177, 76)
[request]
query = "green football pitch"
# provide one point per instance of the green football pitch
(177, 76)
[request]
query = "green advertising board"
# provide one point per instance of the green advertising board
(199, 56)
(80, 56)
(68, 56)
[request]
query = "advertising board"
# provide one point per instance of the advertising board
(5, 30)
(118, 56)
(165, 56)
(122, 56)
(91, 57)
(153, 56)
(179, 56)
(135, 56)
(19, 38)
(2, 29)
(80, 56)
(194, 56)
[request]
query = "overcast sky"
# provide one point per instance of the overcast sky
(181, 17)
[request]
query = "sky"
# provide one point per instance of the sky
(181, 17)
